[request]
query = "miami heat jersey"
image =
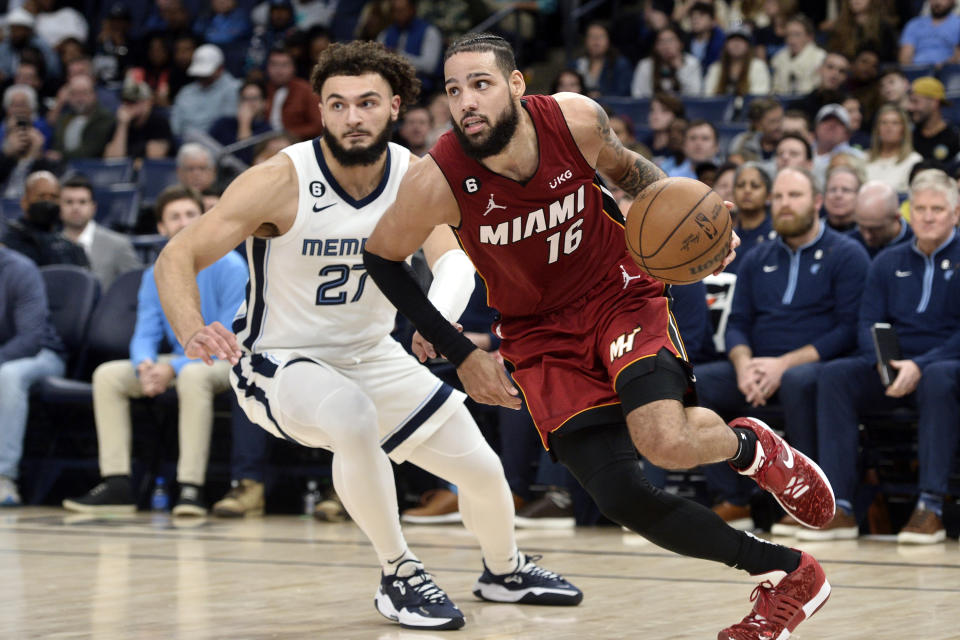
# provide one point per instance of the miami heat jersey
(308, 289)
(542, 243)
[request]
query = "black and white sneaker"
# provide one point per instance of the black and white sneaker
(190, 502)
(529, 584)
(412, 599)
(113, 495)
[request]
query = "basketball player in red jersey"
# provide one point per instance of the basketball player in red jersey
(590, 339)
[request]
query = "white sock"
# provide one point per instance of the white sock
(391, 566)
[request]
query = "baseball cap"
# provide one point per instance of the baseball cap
(206, 60)
(740, 30)
(929, 87)
(20, 17)
(834, 111)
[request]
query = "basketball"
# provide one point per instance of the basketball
(678, 230)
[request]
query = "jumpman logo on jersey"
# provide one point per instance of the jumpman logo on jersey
(492, 205)
(627, 277)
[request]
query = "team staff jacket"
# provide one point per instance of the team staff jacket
(920, 297)
(905, 236)
(786, 299)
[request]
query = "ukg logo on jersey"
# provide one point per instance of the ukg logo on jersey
(560, 179)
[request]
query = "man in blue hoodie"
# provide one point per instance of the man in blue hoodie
(29, 351)
(915, 287)
(794, 307)
(148, 373)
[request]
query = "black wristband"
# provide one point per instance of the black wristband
(397, 281)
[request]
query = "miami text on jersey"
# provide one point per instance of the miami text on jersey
(535, 222)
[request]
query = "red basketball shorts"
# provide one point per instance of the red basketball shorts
(567, 362)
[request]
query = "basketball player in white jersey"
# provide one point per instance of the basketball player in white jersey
(312, 358)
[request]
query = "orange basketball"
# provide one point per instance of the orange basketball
(678, 230)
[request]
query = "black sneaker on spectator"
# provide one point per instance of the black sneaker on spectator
(553, 510)
(113, 495)
(190, 502)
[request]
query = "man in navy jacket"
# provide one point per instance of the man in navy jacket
(877, 214)
(794, 306)
(915, 287)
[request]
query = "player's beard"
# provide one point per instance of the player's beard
(498, 138)
(359, 156)
(794, 226)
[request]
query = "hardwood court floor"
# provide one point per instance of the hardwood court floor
(67, 576)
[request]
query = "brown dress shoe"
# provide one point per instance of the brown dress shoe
(735, 515)
(924, 527)
(842, 527)
(437, 506)
(787, 526)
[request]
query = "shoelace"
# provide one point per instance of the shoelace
(422, 582)
(770, 611)
(100, 488)
(535, 570)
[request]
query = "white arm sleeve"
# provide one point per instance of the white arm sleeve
(452, 284)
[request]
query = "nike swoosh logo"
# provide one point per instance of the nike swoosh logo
(769, 268)
(788, 463)
(902, 274)
(316, 210)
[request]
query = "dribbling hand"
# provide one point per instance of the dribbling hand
(485, 380)
(214, 340)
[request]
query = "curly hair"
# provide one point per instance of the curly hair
(359, 57)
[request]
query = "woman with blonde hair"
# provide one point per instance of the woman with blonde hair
(891, 153)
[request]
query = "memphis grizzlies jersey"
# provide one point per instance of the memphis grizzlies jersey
(308, 289)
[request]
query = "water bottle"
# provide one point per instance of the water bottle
(310, 498)
(160, 499)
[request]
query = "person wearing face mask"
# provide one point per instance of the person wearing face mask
(35, 233)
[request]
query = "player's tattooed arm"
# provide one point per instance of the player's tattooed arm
(627, 169)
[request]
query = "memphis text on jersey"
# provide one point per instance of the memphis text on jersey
(543, 219)
(333, 246)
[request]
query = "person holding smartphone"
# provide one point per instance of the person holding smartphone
(915, 288)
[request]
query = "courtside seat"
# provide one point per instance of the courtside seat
(108, 338)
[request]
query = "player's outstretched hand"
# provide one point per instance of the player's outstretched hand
(485, 380)
(423, 349)
(734, 243)
(214, 340)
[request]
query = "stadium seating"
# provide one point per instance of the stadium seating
(154, 177)
(103, 173)
(118, 205)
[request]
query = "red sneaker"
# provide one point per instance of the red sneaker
(799, 485)
(779, 609)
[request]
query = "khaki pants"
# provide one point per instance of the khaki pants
(115, 383)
